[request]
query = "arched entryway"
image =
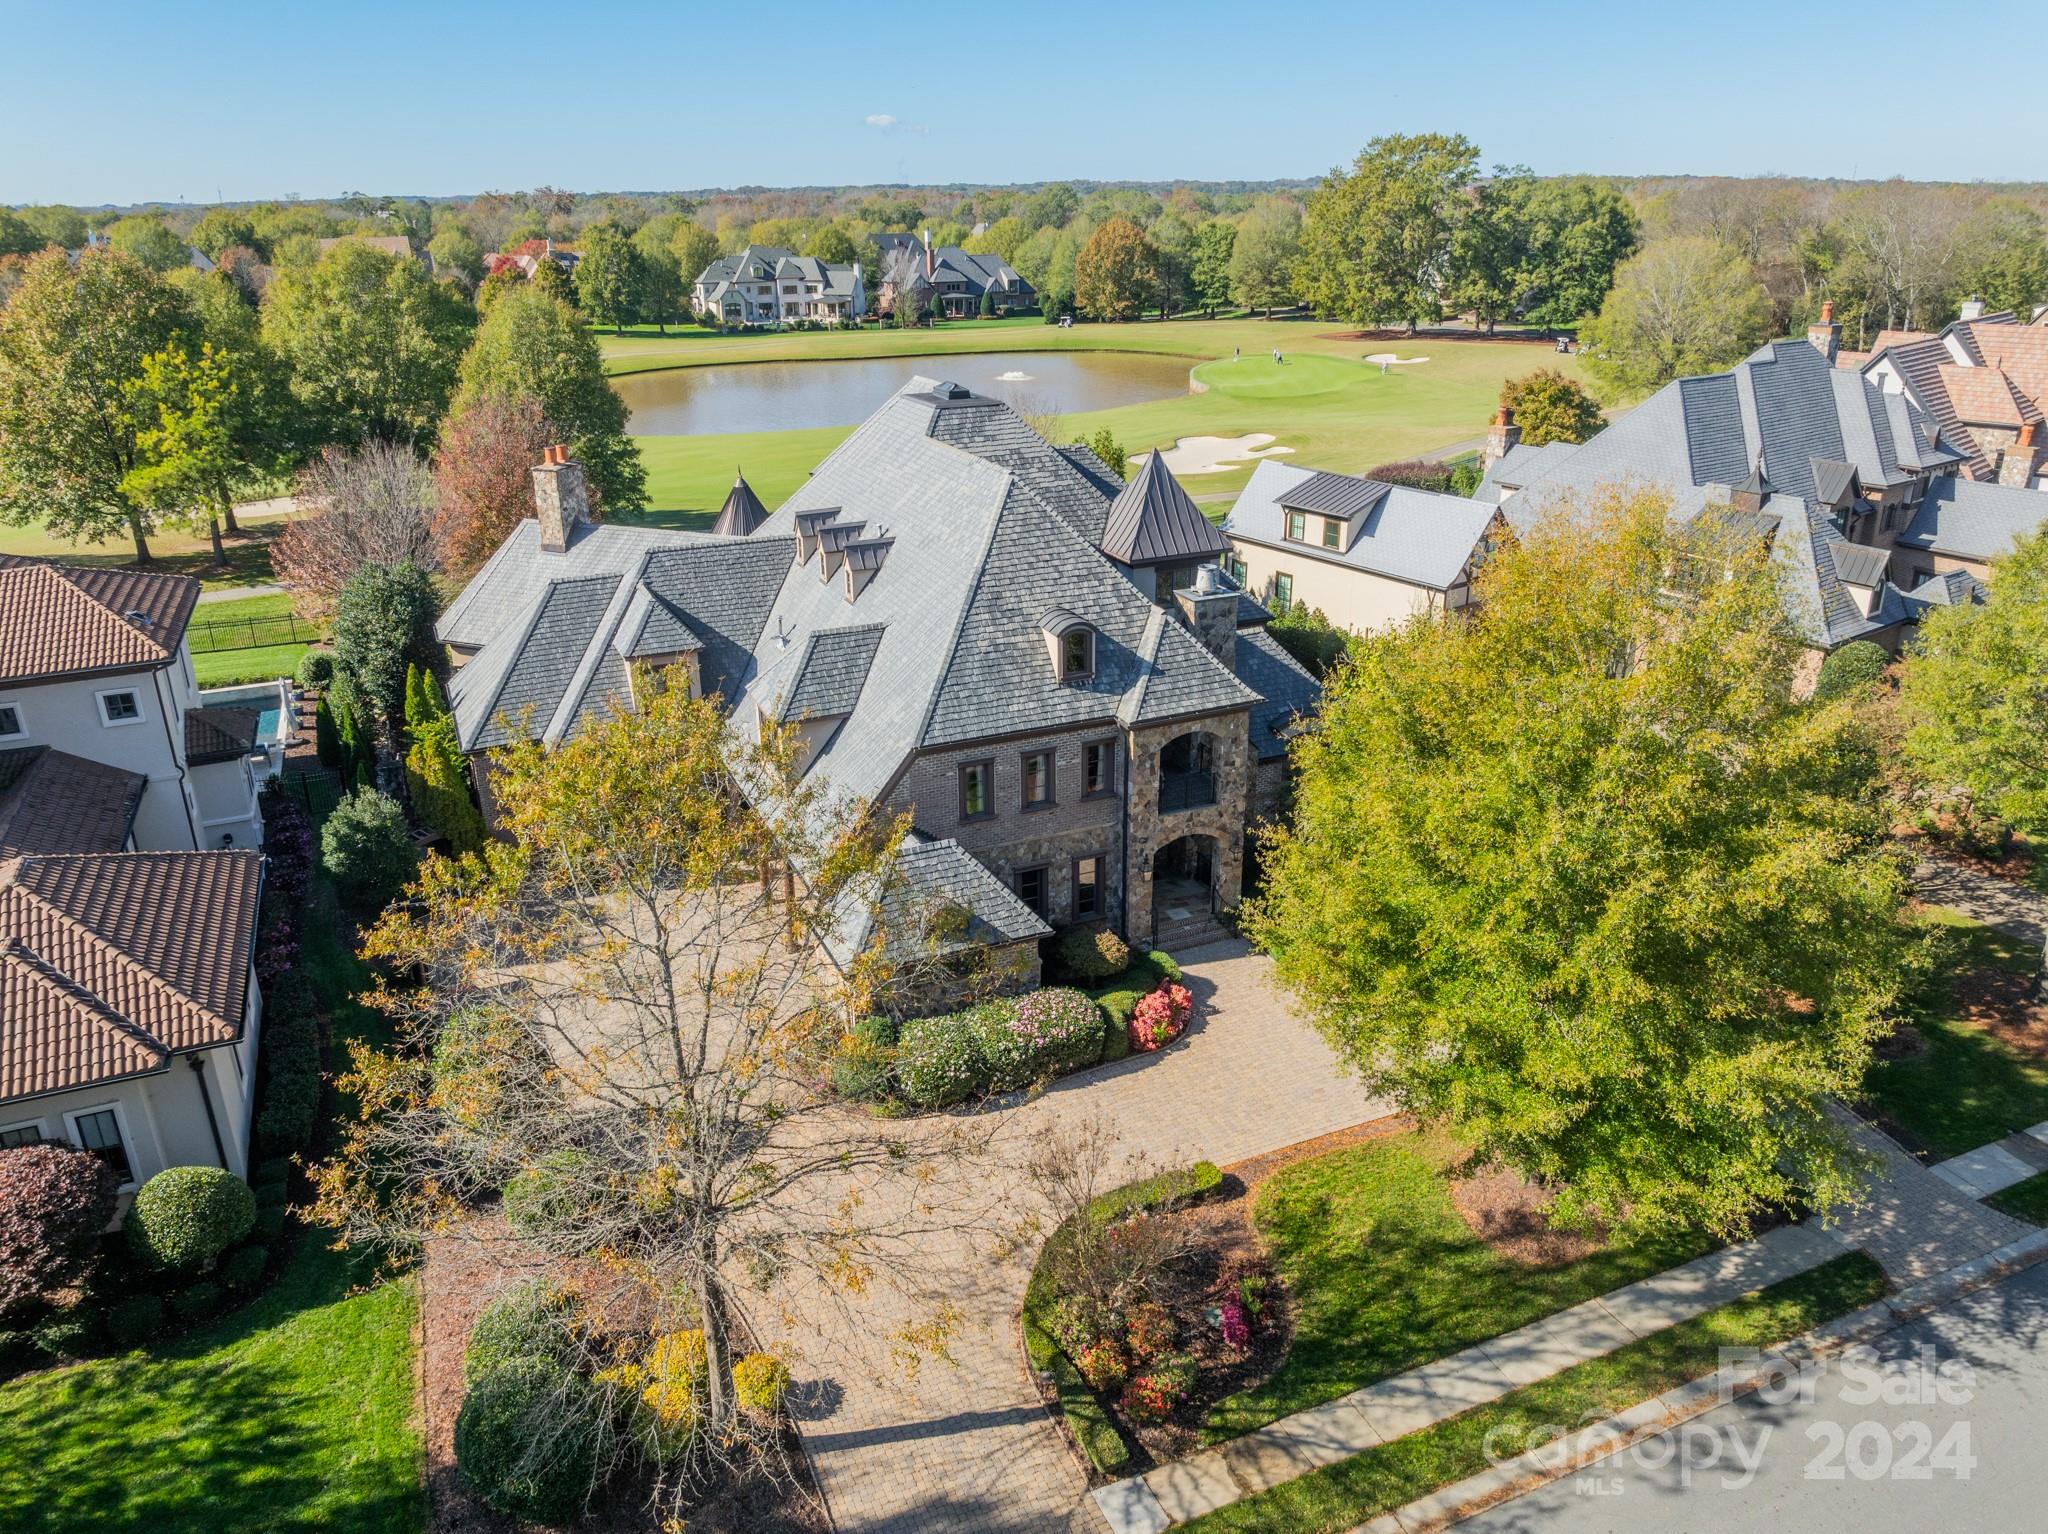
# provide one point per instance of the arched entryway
(1187, 772)
(1184, 880)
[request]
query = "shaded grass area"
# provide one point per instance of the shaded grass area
(1966, 1087)
(1379, 1480)
(174, 553)
(1386, 1275)
(2025, 1200)
(290, 1416)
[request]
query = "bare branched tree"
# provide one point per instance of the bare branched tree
(626, 1013)
(372, 505)
(1040, 410)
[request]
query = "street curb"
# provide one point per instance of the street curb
(1569, 1455)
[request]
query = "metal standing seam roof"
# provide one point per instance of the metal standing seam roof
(742, 512)
(112, 962)
(1154, 521)
(61, 620)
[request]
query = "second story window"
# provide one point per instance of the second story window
(1283, 591)
(1333, 533)
(10, 722)
(1038, 784)
(121, 707)
(1098, 768)
(977, 790)
(1297, 527)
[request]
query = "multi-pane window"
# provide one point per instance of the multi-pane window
(1087, 888)
(1031, 889)
(100, 1134)
(20, 1135)
(1038, 793)
(1234, 568)
(1297, 527)
(10, 721)
(1283, 591)
(1098, 768)
(120, 707)
(1333, 533)
(977, 790)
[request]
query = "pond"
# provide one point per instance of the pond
(788, 396)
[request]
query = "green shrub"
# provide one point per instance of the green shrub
(272, 1171)
(939, 1060)
(291, 1077)
(545, 1196)
(1094, 955)
(315, 670)
(17, 1347)
(1047, 1033)
(861, 1072)
(760, 1381)
(186, 1216)
(878, 1029)
(241, 1272)
(327, 744)
(69, 1333)
(368, 849)
(270, 1219)
(1116, 1008)
(527, 1439)
(198, 1302)
(135, 1320)
(1857, 664)
(529, 1320)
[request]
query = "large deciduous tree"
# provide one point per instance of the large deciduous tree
(1550, 407)
(373, 505)
(186, 456)
(483, 476)
(1264, 256)
(1377, 241)
(71, 339)
(371, 341)
(1116, 273)
(1215, 242)
(624, 1023)
(148, 241)
(1575, 233)
(609, 276)
(532, 344)
(1688, 305)
(1975, 689)
(1577, 877)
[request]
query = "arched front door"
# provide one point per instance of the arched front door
(1184, 880)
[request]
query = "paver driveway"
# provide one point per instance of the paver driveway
(968, 1449)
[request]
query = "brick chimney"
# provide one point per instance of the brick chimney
(927, 254)
(1501, 436)
(561, 499)
(1209, 608)
(1826, 335)
(2022, 461)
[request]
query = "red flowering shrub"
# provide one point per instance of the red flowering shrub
(1160, 1016)
(1152, 1396)
(1150, 1329)
(54, 1203)
(1103, 1364)
(1235, 1323)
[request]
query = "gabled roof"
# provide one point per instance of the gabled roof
(1810, 553)
(1989, 371)
(1154, 521)
(831, 673)
(741, 513)
(1973, 519)
(1951, 588)
(72, 620)
(112, 962)
(1418, 536)
(52, 801)
(932, 883)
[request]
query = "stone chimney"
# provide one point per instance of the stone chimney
(927, 253)
(1209, 608)
(1826, 335)
(1973, 309)
(1501, 436)
(2022, 461)
(561, 499)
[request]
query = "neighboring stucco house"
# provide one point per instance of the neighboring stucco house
(941, 612)
(1367, 555)
(93, 662)
(766, 285)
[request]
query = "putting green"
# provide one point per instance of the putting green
(1299, 377)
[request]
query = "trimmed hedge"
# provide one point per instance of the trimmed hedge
(135, 1320)
(69, 1333)
(186, 1216)
(1120, 996)
(197, 1302)
(291, 1074)
(1093, 954)
(244, 1267)
(526, 1321)
(939, 1060)
(526, 1439)
(1086, 1418)
(1857, 664)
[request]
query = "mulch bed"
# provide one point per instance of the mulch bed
(1507, 1212)
(2001, 1003)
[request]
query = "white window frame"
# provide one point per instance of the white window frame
(129, 1145)
(36, 1124)
(20, 730)
(108, 720)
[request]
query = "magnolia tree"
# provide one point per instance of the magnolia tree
(627, 1008)
(1579, 878)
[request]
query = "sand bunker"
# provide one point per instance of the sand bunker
(1013, 376)
(1388, 359)
(1215, 455)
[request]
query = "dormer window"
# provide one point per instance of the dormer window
(1077, 654)
(1333, 533)
(1297, 527)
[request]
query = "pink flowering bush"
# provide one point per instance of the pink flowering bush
(1160, 1016)
(1152, 1396)
(1235, 1323)
(1047, 1033)
(1103, 1364)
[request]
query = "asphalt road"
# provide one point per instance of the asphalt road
(1940, 1428)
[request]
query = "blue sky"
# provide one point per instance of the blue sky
(120, 101)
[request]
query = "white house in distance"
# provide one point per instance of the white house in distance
(129, 876)
(766, 285)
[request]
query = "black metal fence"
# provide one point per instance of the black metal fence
(207, 636)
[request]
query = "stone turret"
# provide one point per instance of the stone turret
(561, 499)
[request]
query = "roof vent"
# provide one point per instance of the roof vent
(141, 619)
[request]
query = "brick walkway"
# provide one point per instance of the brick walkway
(968, 1449)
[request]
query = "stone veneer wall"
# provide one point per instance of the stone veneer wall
(1224, 820)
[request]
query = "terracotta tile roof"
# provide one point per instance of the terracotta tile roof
(111, 962)
(52, 801)
(219, 734)
(2020, 352)
(57, 620)
(1987, 397)
(1886, 338)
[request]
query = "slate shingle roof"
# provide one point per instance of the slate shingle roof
(931, 879)
(831, 673)
(110, 963)
(71, 620)
(1287, 693)
(1411, 535)
(1973, 519)
(52, 801)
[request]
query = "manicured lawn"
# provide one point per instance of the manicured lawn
(220, 633)
(1331, 407)
(1966, 1088)
(2025, 1200)
(173, 553)
(293, 1415)
(1379, 1480)
(1386, 1275)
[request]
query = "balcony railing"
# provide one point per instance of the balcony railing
(1186, 791)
